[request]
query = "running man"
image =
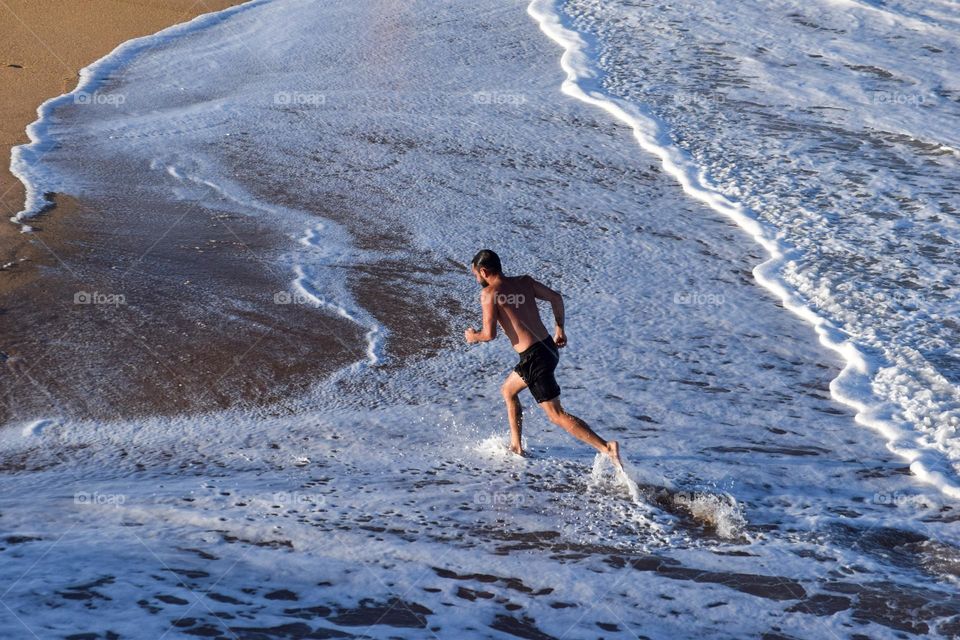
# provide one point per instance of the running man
(512, 301)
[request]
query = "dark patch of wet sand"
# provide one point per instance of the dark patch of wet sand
(399, 293)
(113, 313)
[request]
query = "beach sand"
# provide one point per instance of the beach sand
(197, 329)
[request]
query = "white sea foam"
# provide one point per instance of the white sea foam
(720, 512)
(861, 384)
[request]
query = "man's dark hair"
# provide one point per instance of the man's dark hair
(488, 260)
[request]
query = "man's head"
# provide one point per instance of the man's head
(486, 264)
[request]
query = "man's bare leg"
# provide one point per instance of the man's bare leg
(581, 430)
(511, 389)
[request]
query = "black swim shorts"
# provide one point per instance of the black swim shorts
(536, 366)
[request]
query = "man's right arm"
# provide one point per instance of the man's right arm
(489, 330)
(543, 292)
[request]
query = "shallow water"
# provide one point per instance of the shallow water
(835, 124)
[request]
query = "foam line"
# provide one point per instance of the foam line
(303, 285)
(852, 385)
(327, 244)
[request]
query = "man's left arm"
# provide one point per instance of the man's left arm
(489, 330)
(555, 298)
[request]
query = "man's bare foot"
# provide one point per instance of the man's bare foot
(613, 450)
(517, 449)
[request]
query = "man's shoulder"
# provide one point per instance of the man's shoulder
(489, 291)
(528, 281)
(512, 283)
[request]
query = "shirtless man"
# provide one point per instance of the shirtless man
(511, 301)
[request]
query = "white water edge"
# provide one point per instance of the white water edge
(852, 385)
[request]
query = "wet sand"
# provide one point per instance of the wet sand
(137, 316)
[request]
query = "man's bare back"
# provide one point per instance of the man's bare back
(515, 303)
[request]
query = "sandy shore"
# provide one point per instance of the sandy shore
(45, 43)
(174, 344)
